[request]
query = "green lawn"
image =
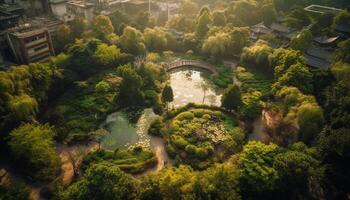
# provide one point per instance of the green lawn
(132, 160)
(252, 78)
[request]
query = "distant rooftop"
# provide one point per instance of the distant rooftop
(47, 22)
(261, 29)
(280, 28)
(82, 4)
(322, 9)
(326, 40)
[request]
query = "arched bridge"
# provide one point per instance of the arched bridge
(192, 63)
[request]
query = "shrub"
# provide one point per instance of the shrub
(179, 141)
(156, 127)
(185, 116)
(201, 153)
(102, 86)
(191, 149)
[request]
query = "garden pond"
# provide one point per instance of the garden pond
(188, 84)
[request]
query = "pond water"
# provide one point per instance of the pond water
(193, 85)
(189, 85)
(123, 134)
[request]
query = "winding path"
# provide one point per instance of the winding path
(193, 63)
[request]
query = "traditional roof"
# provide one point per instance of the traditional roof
(280, 28)
(342, 28)
(260, 29)
(325, 40)
(319, 53)
(316, 62)
(292, 34)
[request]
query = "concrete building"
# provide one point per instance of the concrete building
(59, 10)
(30, 44)
(80, 8)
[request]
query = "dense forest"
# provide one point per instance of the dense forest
(118, 63)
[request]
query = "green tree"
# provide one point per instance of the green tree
(33, 150)
(188, 8)
(257, 174)
(302, 42)
(102, 87)
(252, 105)
(78, 25)
(81, 56)
(268, 13)
(342, 53)
(101, 181)
(167, 95)
(342, 19)
(310, 121)
(132, 41)
(102, 26)
(106, 56)
(258, 55)
(130, 89)
(202, 23)
(334, 145)
(218, 182)
(231, 98)
(23, 107)
(219, 18)
(155, 39)
(298, 18)
(298, 75)
(217, 45)
(15, 191)
(295, 167)
(144, 20)
(63, 37)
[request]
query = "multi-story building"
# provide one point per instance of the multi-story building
(77, 8)
(30, 45)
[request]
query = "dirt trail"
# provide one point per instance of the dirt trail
(70, 154)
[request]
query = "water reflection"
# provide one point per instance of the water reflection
(123, 134)
(189, 85)
(193, 85)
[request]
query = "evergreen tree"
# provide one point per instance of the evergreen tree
(167, 95)
(231, 98)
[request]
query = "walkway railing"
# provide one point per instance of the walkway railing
(193, 63)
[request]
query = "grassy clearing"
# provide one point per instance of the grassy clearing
(252, 78)
(133, 161)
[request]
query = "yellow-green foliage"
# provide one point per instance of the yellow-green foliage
(196, 133)
(22, 88)
(303, 111)
(132, 160)
(33, 149)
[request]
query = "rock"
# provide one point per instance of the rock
(5, 179)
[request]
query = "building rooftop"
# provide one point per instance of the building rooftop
(325, 39)
(260, 29)
(316, 62)
(319, 9)
(342, 28)
(31, 24)
(13, 8)
(82, 4)
(57, 1)
(320, 53)
(280, 28)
